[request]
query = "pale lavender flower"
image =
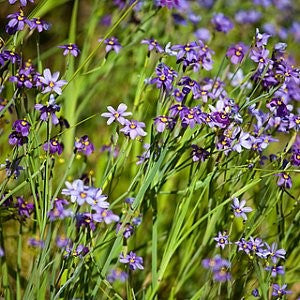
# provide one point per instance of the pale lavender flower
(105, 215)
(22, 2)
(51, 82)
(239, 208)
(117, 115)
(134, 129)
(77, 190)
(117, 274)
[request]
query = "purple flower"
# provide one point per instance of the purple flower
(222, 240)
(134, 261)
(153, 45)
(177, 4)
(105, 215)
(163, 122)
(128, 229)
(261, 39)
(203, 34)
(1, 252)
(51, 82)
(187, 51)
(112, 44)
(95, 198)
(22, 2)
(239, 208)
(255, 293)
(22, 127)
(219, 266)
(12, 168)
(24, 208)
(37, 23)
(236, 53)
(70, 49)
(295, 159)
(80, 251)
(63, 242)
(16, 138)
(133, 129)
(191, 117)
(221, 23)
(260, 56)
(49, 110)
(84, 145)
(58, 210)
(11, 56)
(274, 253)
(165, 77)
(248, 16)
(278, 107)
(53, 146)
(280, 291)
(199, 153)
(275, 270)
(117, 274)
(117, 115)
(16, 23)
(255, 245)
(85, 220)
(243, 245)
(284, 180)
(36, 243)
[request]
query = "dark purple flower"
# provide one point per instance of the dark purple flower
(239, 208)
(274, 253)
(70, 49)
(117, 274)
(16, 23)
(49, 110)
(51, 82)
(187, 51)
(255, 293)
(221, 23)
(280, 291)
(165, 77)
(22, 127)
(134, 261)
(37, 23)
(133, 129)
(295, 159)
(221, 119)
(112, 44)
(191, 117)
(22, 2)
(53, 146)
(222, 240)
(84, 145)
(24, 208)
(16, 138)
(153, 45)
(178, 109)
(12, 168)
(117, 115)
(284, 180)
(199, 153)
(11, 56)
(275, 270)
(236, 53)
(163, 122)
(85, 220)
(105, 215)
